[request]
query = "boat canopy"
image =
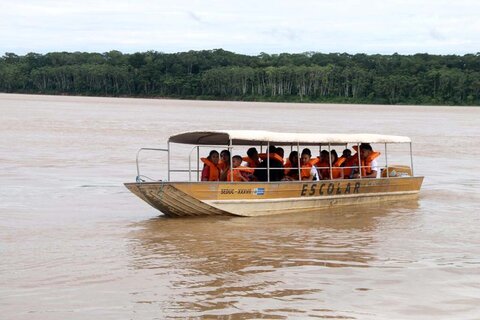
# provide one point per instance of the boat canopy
(256, 137)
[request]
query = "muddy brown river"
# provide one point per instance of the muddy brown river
(76, 244)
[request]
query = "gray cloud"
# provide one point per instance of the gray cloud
(249, 26)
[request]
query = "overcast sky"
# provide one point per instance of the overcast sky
(247, 26)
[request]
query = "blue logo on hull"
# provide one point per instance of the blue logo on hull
(259, 191)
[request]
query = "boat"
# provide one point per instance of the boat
(192, 197)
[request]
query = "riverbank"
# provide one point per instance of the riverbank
(419, 79)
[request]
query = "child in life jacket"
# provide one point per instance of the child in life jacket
(337, 171)
(323, 165)
(369, 165)
(224, 164)
(239, 173)
(291, 167)
(210, 171)
(308, 171)
(252, 159)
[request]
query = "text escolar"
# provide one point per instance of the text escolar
(329, 188)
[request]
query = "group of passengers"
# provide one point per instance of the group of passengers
(272, 165)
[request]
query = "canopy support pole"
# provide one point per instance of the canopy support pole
(168, 161)
(386, 162)
(411, 158)
(330, 161)
(198, 163)
(298, 162)
(268, 161)
(230, 149)
(359, 161)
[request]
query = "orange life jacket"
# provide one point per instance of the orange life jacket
(292, 173)
(275, 156)
(342, 157)
(323, 168)
(222, 165)
(214, 172)
(307, 168)
(237, 172)
(367, 163)
(287, 166)
(251, 163)
(352, 161)
(336, 168)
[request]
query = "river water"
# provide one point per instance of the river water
(76, 244)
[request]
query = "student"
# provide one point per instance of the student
(272, 161)
(224, 164)
(350, 164)
(210, 171)
(323, 165)
(291, 167)
(346, 154)
(239, 173)
(252, 159)
(337, 171)
(369, 164)
(273, 153)
(309, 171)
(281, 153)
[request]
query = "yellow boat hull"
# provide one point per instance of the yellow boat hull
(176, 199)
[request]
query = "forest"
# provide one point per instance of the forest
(222, 75)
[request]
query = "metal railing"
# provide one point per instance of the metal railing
(355, 169)
(139, 176)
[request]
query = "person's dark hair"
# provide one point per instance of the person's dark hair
(225, 152)
(237, 157)
(366, 146)
(324, 153)
(347, 153)
(212, 152)
(293, 155)
(335, 155)
(307, 151)
(280, 151)
(271, 149)
(251, 152)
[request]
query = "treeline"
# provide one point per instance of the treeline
(219, 74)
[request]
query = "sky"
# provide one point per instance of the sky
(247, 27)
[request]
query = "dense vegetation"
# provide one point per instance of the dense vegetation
(219, 74)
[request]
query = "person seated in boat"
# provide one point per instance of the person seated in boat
(281, 153)
(239, 172)
(308, 171)
(273, 152)
(252, 159)
(272, 161)
(350, 164)
(224, 164)
(323, 165)
(337, 171)
(346, 154)
(369, 164)
(210, 171)
(291, 167)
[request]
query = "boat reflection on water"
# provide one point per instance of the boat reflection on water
(272, 266)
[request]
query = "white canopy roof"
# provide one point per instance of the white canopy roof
(256, 137)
